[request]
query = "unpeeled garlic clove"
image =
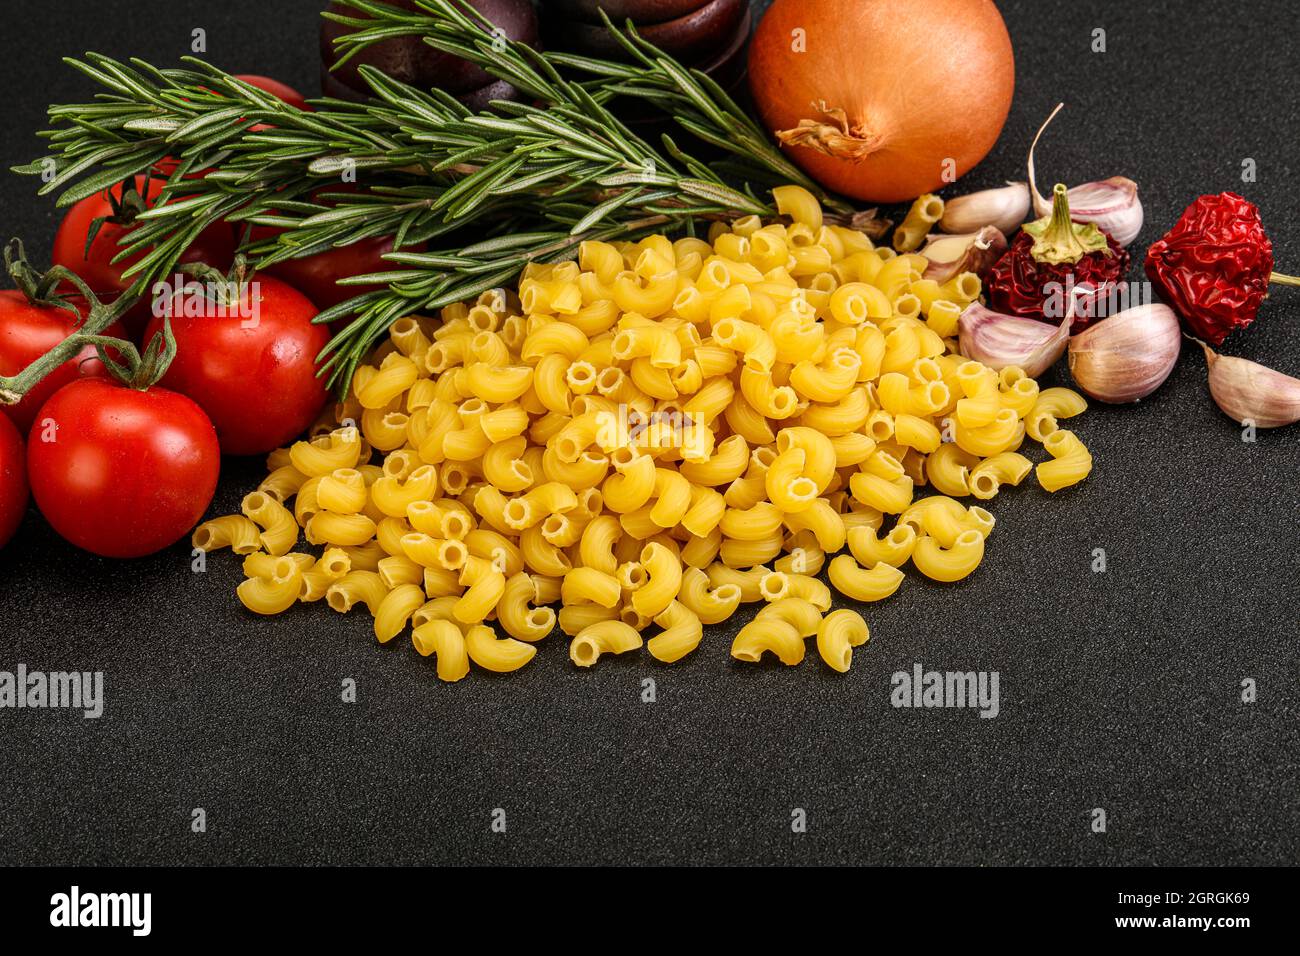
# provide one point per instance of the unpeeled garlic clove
(1126, 357)
(999, 340)
(1112, 204)
(973, 252)
(1006, 208)
(1252, 394)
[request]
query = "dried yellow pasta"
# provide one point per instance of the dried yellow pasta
(765, 635)
(1071, 462)
(840, 632)
(925, 212)
(235, 532)
(650, 437)
(603, 637)
(274, 588)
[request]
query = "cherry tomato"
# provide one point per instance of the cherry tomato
(119, 471)
(317, 276)
(281, 90)
(215, 246)
(27, 332)
(284, 91)
(252, 368)
(13, 480)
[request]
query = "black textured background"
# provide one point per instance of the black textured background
(1119, 690)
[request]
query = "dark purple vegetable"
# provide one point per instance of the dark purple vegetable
(697, 36)
(639, 11)
(413, 61)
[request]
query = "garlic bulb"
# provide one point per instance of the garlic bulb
(1112, 203)
(974, 252)
(1127, 356)
(1005, 208)
(999, 340)
(1252, 393)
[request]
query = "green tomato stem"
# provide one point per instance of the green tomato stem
(39, 289)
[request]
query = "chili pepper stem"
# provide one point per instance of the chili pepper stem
(1058, 238)
(1283, 279)
(1060, 228)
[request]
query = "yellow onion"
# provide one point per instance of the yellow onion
(883, 100)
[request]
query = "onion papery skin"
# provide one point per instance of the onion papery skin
(919, 82)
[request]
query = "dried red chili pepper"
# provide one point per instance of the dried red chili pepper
(1215, 265)
(1056, 263)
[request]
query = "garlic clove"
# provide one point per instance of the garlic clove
(1112, 204)
(1006, 208)
(1251, 393)
(1126, 357)
(973, 252)
(999, 340)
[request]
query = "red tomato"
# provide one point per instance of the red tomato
(122, 472)
(284, 91)
(215, 246)
(29, 331)
(317, 276)
(13, 480)
(253, 370)
(281, 90)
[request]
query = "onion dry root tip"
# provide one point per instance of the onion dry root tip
(838, 137)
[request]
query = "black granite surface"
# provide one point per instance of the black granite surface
(1119, 690)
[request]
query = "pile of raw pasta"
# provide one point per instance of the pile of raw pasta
(651, 437)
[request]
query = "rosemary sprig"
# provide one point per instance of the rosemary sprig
(689, 97)
(524, 183)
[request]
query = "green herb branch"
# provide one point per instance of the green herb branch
(523, 183)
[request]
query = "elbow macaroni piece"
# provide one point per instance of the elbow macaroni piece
(869, 584)
(516, 613)
(1053, 404)
(1071, 462)
(279, 529)
(664, 579)
(768, 635)
(491, 653)
(602, 637)
(649, 437)
(952, 563)
(925, 212)
(805, 616)
(236, 532)
(443, 638)
(395, 610)
(1005, 468)
(837, 634)
(274, 586)
(681, 634)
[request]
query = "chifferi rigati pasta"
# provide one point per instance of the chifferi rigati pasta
(651, 437)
